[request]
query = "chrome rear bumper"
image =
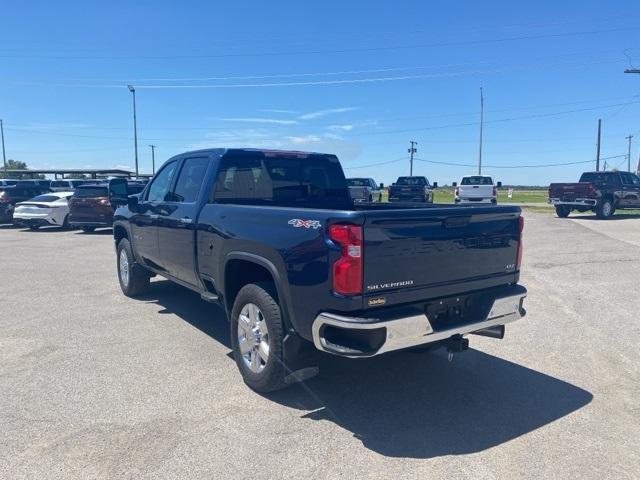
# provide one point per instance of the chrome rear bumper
(410, 331)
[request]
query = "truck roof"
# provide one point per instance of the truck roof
(264, 151)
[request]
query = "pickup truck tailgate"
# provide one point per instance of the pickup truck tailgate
(568, 192)
(430, 252)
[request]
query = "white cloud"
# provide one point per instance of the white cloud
(324, 113)
(303, 139)
(276, 110)
(345, 128)
(276, 121)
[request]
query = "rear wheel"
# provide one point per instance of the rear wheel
(65, 223)
(605, 209)
(88, 229)
(133, 278)
(563, 211)
(256, 337)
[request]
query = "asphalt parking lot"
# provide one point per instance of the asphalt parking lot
(97, 385)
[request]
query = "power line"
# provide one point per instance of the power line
(327, 51)
(375, 164)
(519, 166)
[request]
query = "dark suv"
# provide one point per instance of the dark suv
(12, 194)
(89, 207)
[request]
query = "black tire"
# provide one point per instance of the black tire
(88, 229)
(273, 373)
(137, 282)
(370, 198)
(563, 211)
(65, 223)
(34, 227)
(605, 209)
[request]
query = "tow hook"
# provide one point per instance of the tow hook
(456, 344)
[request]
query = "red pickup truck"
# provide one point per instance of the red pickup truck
(599, 192)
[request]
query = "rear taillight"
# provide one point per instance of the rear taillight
(495, 192)
(4, 197)
(104, 201)
(347, 270)
(519, 253)
(456, 192)
(591, 189)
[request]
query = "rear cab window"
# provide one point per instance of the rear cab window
(271, 179)
(91, 192)
(412, 181)
(601, 178)
(476, 180)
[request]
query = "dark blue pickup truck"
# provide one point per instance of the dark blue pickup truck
(274, 237)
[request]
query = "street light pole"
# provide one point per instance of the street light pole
(4, 156)
(153, 159)
(481, 125)
(629, 153)
(135, 125)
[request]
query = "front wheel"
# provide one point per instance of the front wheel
(133, 278)
(605, 209)
(562, 211)
(256, 337)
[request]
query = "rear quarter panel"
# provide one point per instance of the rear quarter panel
(292, 240)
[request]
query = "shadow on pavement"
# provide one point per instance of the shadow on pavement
(614, 217)
(101, 231)
(408, 404)
(186, 304)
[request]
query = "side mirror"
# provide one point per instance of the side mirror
(455, 184)
(435, 185)
(133, 202)
(499, 184)
(381, 186)
(118, 192)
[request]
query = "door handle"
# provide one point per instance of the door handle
(185, 220)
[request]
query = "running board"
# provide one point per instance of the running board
(209, 297)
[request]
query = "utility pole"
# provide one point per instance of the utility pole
(153, 159)
(4, 156)
(633, 70)
(598, 146)
(481, 125)
(629, 153)
(412, 150)
(135, 126)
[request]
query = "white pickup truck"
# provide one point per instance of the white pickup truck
(476, 189)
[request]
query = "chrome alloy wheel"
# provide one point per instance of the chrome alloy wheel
(124, 268)
(253, 338)
(606, 209)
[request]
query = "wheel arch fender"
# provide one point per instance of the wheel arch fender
(280, 283)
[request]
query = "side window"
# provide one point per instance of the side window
(190, 179)
(627, 178)
(160, 185)
(636, 180)
(372, 183)
(242, 178)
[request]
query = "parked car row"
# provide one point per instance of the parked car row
(35, 206)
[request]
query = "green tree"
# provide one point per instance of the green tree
(17, 165)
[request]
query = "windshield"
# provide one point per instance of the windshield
(91, 192)
(477, 180)
(412, 181)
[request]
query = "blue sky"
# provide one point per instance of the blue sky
(359, 79)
